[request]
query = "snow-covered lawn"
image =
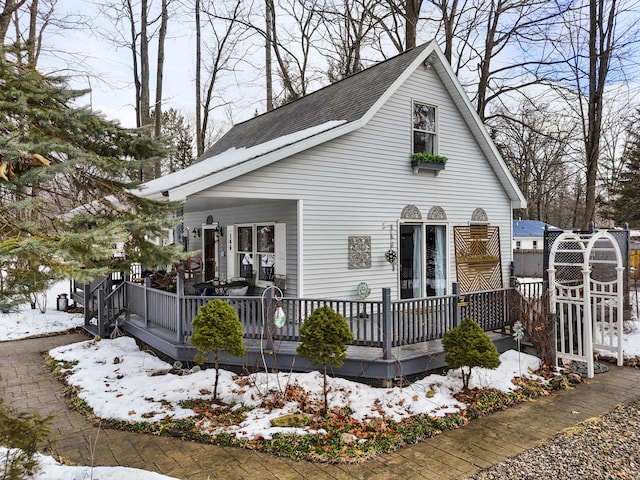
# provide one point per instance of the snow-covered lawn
(27, 322)
(120, 382)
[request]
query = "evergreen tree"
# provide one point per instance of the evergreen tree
(324, 336)
(176, 132)
(66, 179)
(216, 329)
(467, 346)
(625, 206)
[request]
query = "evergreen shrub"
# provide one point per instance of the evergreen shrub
(467, 346)
(217, 329)
(324, 337)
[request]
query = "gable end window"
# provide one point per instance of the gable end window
(424, 128)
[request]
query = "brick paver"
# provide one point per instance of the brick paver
(26, 383)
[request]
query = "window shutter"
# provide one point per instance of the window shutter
(231, 251)
(280, 246)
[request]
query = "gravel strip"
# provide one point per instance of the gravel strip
(606, 447)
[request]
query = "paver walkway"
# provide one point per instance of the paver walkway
(26, 383)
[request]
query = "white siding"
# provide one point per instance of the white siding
(356, 183)
(527, 243)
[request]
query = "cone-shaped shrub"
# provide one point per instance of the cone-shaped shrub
(467, 346)
(217, 329)
(324, 337)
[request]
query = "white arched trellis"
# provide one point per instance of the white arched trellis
(588, 311)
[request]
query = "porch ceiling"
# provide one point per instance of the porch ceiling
(200, 203)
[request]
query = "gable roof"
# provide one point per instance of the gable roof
(530, 228)
(321, 116)
(347, 100)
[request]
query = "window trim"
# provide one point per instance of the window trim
(255, 253)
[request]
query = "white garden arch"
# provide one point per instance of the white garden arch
(586, 295)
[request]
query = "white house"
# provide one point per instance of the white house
(319, 195)
(529, 234)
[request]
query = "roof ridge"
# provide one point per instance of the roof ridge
(345, 100)
(336, 83)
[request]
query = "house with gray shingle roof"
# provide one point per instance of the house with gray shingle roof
(320, 196)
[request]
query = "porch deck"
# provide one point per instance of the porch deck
(392, 339)
(364, 362)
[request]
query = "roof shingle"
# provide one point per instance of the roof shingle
(348, 100)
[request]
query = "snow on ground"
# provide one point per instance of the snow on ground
(28, 322)
(50, 469)
(121, 382)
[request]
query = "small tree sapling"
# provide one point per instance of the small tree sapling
(217, 329)
(324, 336)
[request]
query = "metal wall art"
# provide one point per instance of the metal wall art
(359, 252)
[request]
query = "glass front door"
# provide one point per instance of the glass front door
(436, 257)
(410, 261)
(423, 263)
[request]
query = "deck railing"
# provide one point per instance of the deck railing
(383, 323)
(531, 289)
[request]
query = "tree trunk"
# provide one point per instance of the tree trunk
(267, 54)
(600, 45)
(145, 116)
(10, 6)
(144, 100)
(199, 133)
(31, 41)
(159, 72)
(412, 15)
(484, 67)
(449, 19)
(326, 396)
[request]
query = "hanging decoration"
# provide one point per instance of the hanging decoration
(390, 255)
(363, 291)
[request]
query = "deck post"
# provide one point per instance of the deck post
(387, 326)
(102, 328)
(87, 303)
(455, 288)
(147, 286)
(179, 298)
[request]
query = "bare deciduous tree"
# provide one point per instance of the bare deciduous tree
(162, 35)
(405, 16)
(135, 26)
(220, 35)
(352, 27)
(536, 143)
(594, 44)
(29, 25)
(293, 46)
(8, 11)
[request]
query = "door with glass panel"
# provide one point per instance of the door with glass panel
(410, 261)
(210, 251)
(423, 260)
(436, 260)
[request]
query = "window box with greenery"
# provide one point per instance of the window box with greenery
(427, 161)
